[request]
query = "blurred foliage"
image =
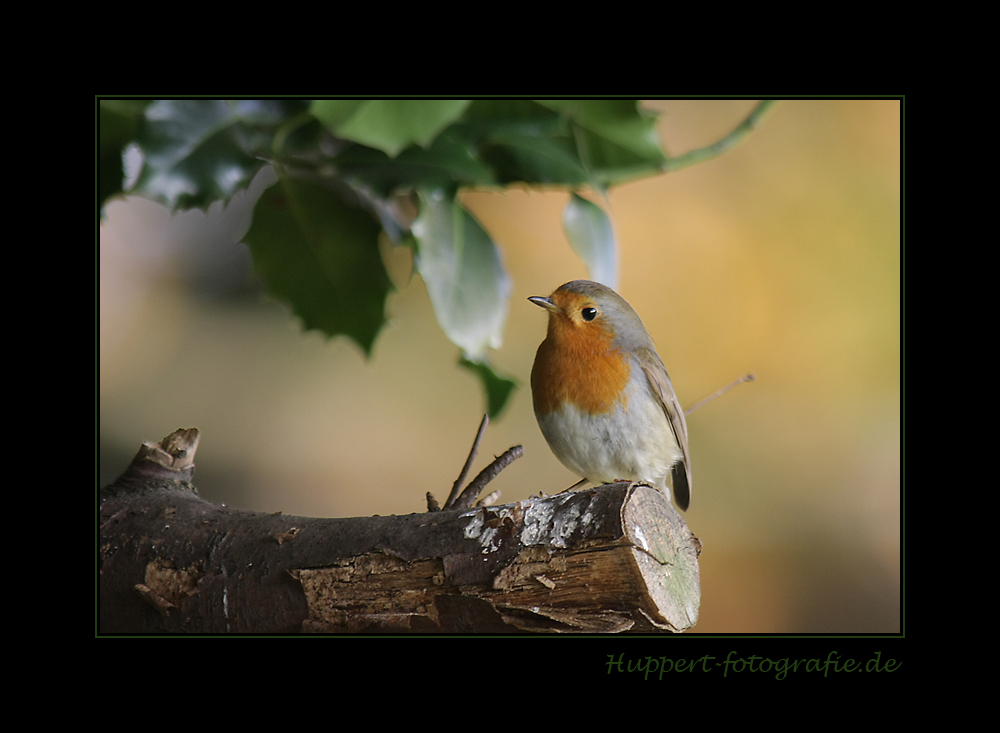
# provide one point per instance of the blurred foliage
(347, 170)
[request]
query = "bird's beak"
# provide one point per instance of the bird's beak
(546, 303)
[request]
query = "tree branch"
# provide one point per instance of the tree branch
(614, 558)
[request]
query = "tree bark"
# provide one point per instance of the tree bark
(615, 558)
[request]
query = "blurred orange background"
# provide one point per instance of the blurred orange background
(781, 258)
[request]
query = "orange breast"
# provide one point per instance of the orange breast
(578, 363)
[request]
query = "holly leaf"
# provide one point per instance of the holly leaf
(589, 232)
(448, 163)
(498, 388)
(119, 121)
(317, 249)
(198, 151)
(615, 138)
(465, 278)
(389, 125)
(534, 160)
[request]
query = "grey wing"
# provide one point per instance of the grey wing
(659, 380)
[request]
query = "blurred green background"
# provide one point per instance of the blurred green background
(781, 258)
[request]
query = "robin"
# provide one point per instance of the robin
(602, 396)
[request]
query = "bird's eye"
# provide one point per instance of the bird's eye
(589, 314)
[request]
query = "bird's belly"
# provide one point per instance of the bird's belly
(634, 441)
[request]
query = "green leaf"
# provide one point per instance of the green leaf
(522, 116)
(498, 388)
(119, 121)
(610, 164)
(533, 160)
(616, 139)
(389, 125)
(447, 164)
(620, 121)
(335, 112)
(195, 152)
(465, 278)
(317, 251)
(589, 232)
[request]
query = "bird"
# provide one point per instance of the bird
(603, 398)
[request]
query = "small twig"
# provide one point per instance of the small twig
(490, 499)
(468, 496)
(465, 499)
(468, 463)
(718, 393)
(577, 485)
(720, 146)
